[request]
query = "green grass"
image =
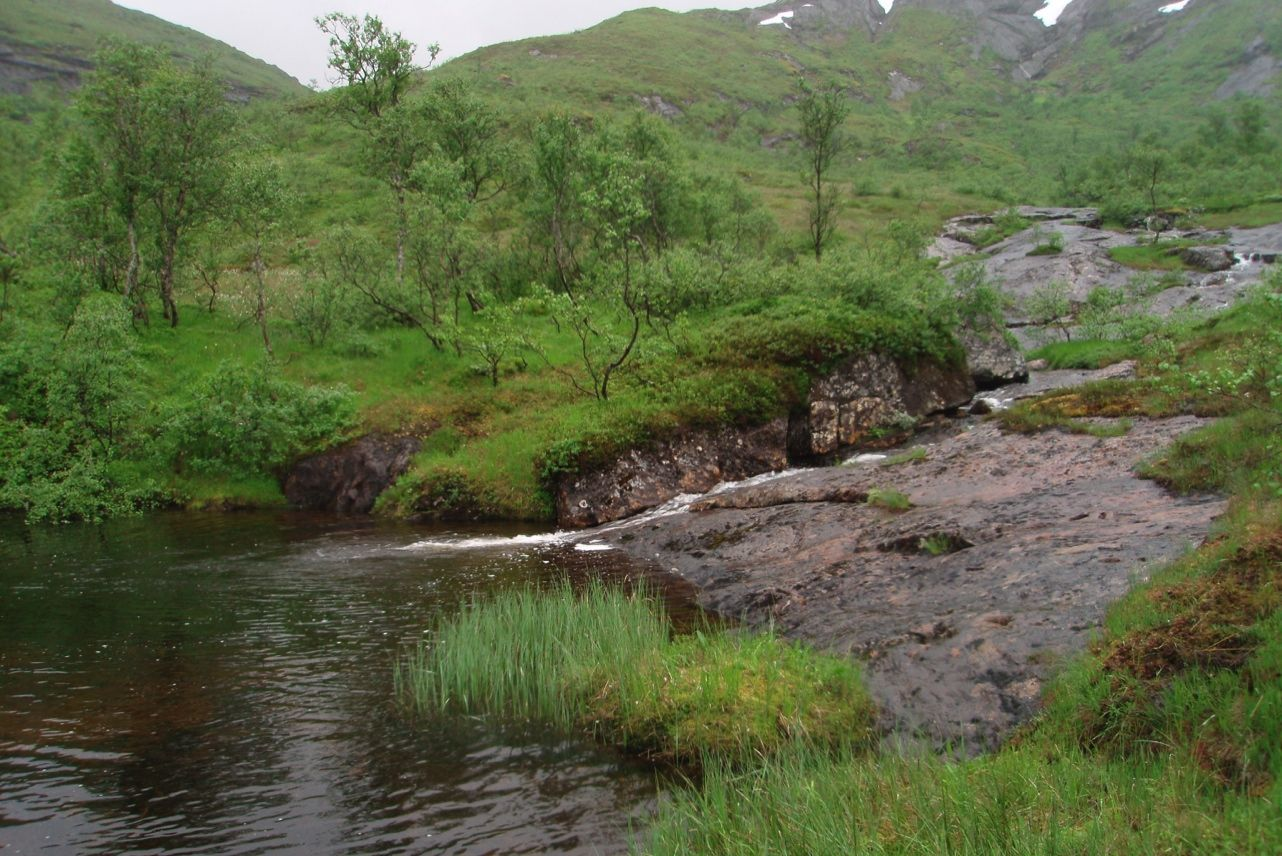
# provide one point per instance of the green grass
(1246, 216)
(889, 500)
(1085, 354)
(604, 661)
(1035, 800)
(912, 456)
(1163, 255)
(1237, 454)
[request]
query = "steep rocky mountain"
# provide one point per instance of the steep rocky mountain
(1012, 32)
(44, 43)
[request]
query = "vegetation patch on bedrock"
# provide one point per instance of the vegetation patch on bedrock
(1085, 353)
(888, 499)
(1160, 256)
(605, 661)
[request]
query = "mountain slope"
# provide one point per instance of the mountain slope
(978, 93)
(45, 43)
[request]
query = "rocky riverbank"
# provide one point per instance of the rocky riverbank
(965, 603)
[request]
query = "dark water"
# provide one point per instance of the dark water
(222, 684)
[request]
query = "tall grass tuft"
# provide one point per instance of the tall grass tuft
(604, 660)
(533, 654)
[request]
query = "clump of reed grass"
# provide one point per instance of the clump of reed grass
(604, 660)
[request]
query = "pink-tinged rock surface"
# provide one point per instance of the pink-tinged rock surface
(1045, 531)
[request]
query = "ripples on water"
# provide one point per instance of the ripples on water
(222, 683)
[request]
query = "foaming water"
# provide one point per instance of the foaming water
(222, 684)
(461, 544)
(582, 542)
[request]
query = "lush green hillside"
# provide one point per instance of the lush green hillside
(937, 124)
(55, 41)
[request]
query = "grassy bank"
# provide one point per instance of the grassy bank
(606, 662)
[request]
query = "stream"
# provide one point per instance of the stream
(222, 683)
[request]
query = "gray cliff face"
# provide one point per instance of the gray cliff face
(348, 479)
(1012, 32)
(1006, 27)
(845, 14)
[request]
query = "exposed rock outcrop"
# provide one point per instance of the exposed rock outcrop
(692, 463)
(861, 397)
(1257, 75)
(348, 479)
(1210, 259)
(992, 358)
(866, 15)
(1006, 27)
(867, 393)
(962, 605)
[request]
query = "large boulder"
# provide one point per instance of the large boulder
(992, 359)
(348, 479)
(866, 394)
(1210, 259)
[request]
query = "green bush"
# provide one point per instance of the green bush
(247, 420)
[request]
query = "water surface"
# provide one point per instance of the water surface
(222, 684)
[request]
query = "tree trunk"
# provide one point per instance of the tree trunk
(167, 282)
(402, 227)
(260, 312)
(133, 295)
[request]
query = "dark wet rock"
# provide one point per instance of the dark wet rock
(1050, 529)
(1210, 259)
(692, 463)
(348, 479)
(992, 358)
(980, 407)
(866, 394)
(773, 494)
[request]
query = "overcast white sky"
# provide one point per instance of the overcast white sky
(282, 32)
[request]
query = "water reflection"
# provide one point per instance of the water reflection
(222, 683)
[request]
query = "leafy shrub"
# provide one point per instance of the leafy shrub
(1048, 244)
(247, 420)
(980, 304)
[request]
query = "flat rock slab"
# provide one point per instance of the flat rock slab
(1038, 535)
